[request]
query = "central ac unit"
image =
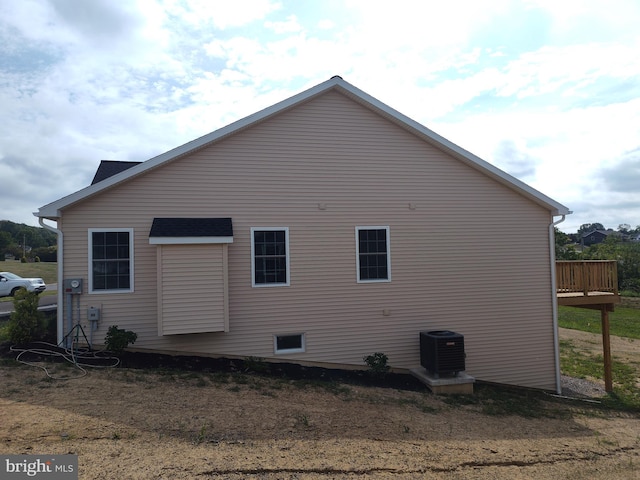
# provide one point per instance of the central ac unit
(442, 352)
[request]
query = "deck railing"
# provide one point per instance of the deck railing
(587, 276)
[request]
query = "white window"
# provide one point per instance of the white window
(373, 254)
(270, 256)
(291, 343)
(110, 260)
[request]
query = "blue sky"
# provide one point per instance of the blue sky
(548, 91)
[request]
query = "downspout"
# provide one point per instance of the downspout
(554, 303)
(60, 320)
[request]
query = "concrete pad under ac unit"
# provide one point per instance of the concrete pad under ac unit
(458, 384)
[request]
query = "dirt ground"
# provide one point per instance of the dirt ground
(137, 424)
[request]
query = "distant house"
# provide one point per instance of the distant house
(324, 228)
(595, 236)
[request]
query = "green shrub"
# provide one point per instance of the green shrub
(118, 339)
(377, 363)
(37, 259)
(629, 293)
(23, 259)
(26, 321)
(255, 364)
(46, 254)
(631, 285)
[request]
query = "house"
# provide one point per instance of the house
(595, 236)
(322, 229)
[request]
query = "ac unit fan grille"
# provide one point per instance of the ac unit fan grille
(442, 352)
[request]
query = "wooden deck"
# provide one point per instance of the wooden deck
(591, 284)
(588, 284)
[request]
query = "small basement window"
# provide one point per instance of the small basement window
(289, 343)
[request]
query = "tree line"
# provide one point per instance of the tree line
(24, 241)
(624, 229)
(621, 245)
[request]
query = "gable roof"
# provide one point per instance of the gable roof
(336, 83)
(109, 168)
(601, 232)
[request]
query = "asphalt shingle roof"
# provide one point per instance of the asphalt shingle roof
(191, 227)
(109, 168)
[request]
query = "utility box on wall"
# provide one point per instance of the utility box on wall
(73, 286)
(93, 314)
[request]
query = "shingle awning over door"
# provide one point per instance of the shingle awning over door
(192, 251)
(180, 231)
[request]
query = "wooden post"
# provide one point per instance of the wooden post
(606, 348)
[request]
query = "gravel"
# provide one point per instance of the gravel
(581, 388)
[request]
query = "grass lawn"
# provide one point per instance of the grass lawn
(48, 271)
(624, 322)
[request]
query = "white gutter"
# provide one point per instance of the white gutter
(554, 303)
(60, 320)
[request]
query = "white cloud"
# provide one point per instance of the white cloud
(290, 25)
(579, 20)
(326, 24)
(550, 85)
(98, 22)
(553, 69)
(515, 160)
(221, 15)
(429, 25)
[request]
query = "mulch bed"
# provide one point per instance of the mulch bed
(255, 366)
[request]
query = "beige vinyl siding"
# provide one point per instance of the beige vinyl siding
(468, 254)
(192, 294)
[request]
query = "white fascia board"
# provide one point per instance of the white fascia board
(188, 240)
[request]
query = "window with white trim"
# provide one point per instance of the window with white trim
(373, 254)
(293, 343)
(270, 256)
(110, 260)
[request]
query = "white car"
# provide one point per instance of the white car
(10, 283)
